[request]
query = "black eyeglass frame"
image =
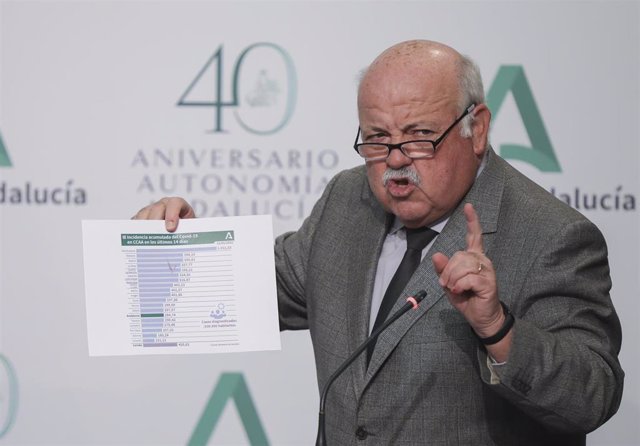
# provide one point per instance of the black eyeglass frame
(399, 146)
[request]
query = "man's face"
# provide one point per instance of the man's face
(399, 107)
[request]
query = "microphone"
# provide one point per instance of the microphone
(412, 302)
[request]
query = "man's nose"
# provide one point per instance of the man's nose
(397, 158)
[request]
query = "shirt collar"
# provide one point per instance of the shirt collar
(437, 226)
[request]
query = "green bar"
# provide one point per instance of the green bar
(152, 315)
(187, 238)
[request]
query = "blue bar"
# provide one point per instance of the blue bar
(176, 249)
(146, 309)
(159, 254)
(152, 321)
(158, 280)
(153, 269)
(159, 257)
(156, 273)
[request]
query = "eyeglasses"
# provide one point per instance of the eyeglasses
(415, 149)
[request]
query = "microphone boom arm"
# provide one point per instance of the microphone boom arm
(412, 302)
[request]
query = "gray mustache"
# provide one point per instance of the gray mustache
(404, 172)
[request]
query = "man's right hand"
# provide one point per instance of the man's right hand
(169, 209)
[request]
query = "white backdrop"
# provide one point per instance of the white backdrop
(90, 121)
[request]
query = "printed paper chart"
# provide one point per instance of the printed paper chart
(190, 291)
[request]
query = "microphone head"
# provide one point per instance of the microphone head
(420, 295)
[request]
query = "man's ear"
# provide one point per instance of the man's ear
(480, 128)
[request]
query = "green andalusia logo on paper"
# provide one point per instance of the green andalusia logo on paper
(511, 78)
(261, 91)
(4, 155)
(230, 386)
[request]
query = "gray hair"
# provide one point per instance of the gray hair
(471, 91)
(470, 85)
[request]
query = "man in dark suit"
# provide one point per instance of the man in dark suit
(517, 340)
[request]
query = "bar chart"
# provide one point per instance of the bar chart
(181, 295)
(208, 287)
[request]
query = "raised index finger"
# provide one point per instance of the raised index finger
(474, 230)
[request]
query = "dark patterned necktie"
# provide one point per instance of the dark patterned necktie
(417, 239)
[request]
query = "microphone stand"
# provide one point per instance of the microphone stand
(412, 302)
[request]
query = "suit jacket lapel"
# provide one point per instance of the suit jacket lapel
(366, 245)
(485, 195)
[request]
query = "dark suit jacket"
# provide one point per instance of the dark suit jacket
(428, 381)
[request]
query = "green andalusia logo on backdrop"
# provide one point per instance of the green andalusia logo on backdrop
(4, 155)
(28, 193)
(262, 74)
(231, 386)
(511, 78)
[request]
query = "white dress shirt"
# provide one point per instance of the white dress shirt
(393, 249)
